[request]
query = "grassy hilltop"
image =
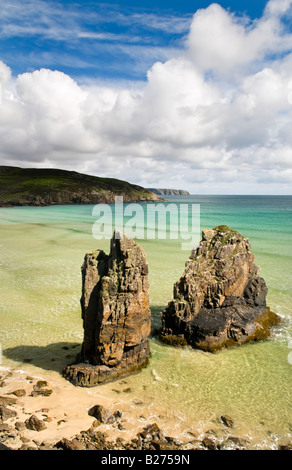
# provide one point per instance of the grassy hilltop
(37, 187)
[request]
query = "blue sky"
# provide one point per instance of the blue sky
(193, 95)
(92, 39)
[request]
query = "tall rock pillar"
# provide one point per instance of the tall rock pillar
(115, 313)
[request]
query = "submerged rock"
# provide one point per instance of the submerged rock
(115, 312)
(220, 300)
(227, 421)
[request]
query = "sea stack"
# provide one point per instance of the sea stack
(220, 300)
(115, 313)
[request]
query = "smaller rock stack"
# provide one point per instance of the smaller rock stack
(220, 300)
(115, 312)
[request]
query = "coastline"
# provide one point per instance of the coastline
(49, 186)
(62, 413)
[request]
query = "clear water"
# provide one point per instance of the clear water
(41, 252)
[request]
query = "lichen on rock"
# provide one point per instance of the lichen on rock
(115, 312)
(220, 300)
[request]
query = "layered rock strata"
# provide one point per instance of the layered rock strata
(115, 313)
(220, 300)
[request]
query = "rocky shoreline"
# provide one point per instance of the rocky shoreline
(29, 421)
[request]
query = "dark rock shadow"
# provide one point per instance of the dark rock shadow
(156, 318)
(53, 357)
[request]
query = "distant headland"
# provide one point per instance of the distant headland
(169, 192)
(44, 187)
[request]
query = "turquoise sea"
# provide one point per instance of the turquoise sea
(41, 252)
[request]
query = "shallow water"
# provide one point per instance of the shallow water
(42, 250)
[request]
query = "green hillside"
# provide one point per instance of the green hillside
(32, 186)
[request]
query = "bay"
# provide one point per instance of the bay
(41, 252)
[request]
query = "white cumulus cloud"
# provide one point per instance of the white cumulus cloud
(213, 118)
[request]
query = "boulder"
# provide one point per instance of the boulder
(6, 413)
(8, 401)
(101, 413)
(35, 424)
(220, 300)
(41, 388)
(67, 444)
(227, 421)
(115, 313)
(152, 438)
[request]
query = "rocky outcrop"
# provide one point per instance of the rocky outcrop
(220, 300)
(115, 312)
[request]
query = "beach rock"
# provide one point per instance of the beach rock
(7, 433)
(20, 426)
(4, 447)
(29, 446)
(35, 424)
(209, 443)
(67, 444)
(227, 421)
(234, 443)
(287, 446)
(152, 438)
(41, 388)
(6, 413)
(102, 414)
(8, 401)
(4, 428)
(115, 313)
(19, 393)
(220, 300)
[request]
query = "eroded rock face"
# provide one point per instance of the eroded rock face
(115, 312)
(220, 300)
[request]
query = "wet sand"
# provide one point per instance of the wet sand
(65, 415)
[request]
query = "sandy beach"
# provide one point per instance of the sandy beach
(62, 413)
(64, 410)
